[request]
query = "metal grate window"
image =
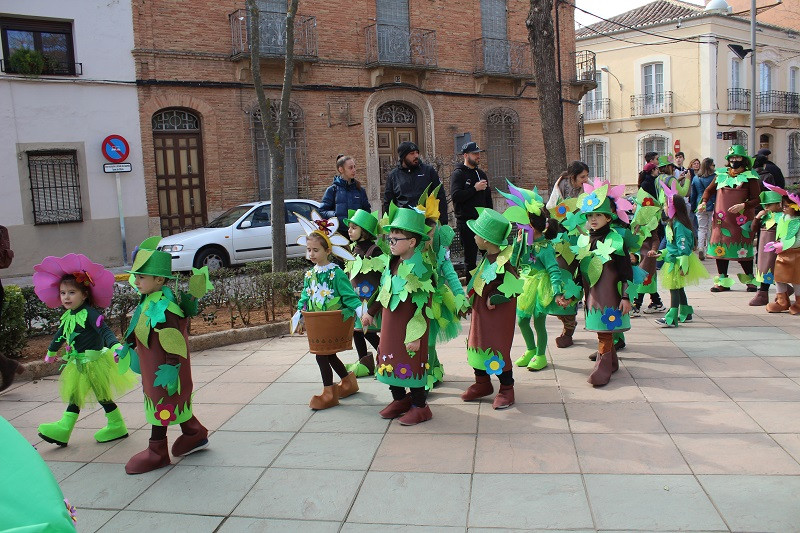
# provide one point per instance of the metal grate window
(652, 143)
(503, 135)
(175, 120)
(55, 187)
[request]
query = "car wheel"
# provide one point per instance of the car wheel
(213, 258)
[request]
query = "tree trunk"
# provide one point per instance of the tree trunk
(275, 138)
(541, 35)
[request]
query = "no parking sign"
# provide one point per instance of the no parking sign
(115, 148)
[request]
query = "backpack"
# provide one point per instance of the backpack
(6, 253)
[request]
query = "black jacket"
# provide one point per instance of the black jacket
(777, 174)
(404, 186)
(465, 197)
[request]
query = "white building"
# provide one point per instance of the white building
(80, 88)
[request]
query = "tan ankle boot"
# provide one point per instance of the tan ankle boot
(603, 369)
(348, 386)
(328, 398)
(780, 304)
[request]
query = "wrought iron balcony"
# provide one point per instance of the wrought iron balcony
(778, 102)
(501, 57)
(738, 99)
(585, 65)
(596, 109)
(51, 68)
(392, 45)
(651, 104)
(272, 25)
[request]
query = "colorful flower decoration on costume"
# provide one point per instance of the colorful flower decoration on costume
(165, 413)
(648, 202)
(719, 251)
(48, 274)
(429, 203)
(741, 219)
(73, 513)
(402, 371)
(769, 278)
(669, 194)
(522, 202)
(794, 198)
(494, 365)
(603, 189)
(742, 252)
(611, 317)
(328, 230)
(365, 289)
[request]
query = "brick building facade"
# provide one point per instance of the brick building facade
(360, 88)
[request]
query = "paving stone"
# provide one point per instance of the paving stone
(613, 418)
(332, 451)
(448, 453)
(754, 453)
(240, 448)
(136, 522)
(268, 418)
(106, 486)
(266, 525)
(756, 503)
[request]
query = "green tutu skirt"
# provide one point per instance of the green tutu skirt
(92, 376)
(687, 270)
(537, 293)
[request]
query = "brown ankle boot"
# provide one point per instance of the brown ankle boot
(780, 304)
(614, 361)
(603, 369)
(504, 398)
(348, 386)
(396, 408)
(795, 308)
(416, 415)
(154, 457)
(193, 438)
(328, 398)
(565, 339)
(369, 362)
(761, 298)
(482, 387)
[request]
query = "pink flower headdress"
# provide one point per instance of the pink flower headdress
(48, 274)
(616, 193)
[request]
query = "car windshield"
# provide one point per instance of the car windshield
(229, 217)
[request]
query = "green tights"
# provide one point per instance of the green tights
(524, 323)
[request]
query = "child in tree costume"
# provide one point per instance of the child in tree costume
(405, 300)
(493, 292)
(737, 190)
(534, 257)
(787, 246)
(89, 373)
(448, 303)
(365, 275)
(681, 267)
(327, 288)
(766, 224)
(607, 274)
(157, 348)
(646, 225)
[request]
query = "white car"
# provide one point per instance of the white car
(240, 235)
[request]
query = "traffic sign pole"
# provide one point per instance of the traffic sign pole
(121, 220)
(116, 150)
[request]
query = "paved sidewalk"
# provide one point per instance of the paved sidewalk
(699, 430)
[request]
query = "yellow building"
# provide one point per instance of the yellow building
(667, 81)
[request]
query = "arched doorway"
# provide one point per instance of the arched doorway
(180, 182)
(397, 123)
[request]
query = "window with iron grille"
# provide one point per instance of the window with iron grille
(595, 157)
(502, 134)
(55, 187)
(51, 39)
(652, 143)
(794, 154)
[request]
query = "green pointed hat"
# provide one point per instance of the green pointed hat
(770, 197)
(152, 262)
(664, 160)
(364, 220)
(491, 226)
(407, 219)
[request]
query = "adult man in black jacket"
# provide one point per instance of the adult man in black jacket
(762, 162)
(469, 189)
(407, 181)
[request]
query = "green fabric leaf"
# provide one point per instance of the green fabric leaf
(489, 272)
(172, 341)
(571, 289)
(416, 328)
(604, 249)
(167, 377)
(725, 231)
(156, 312)
(516, 214)
(354, 267)
(142, 330)
(141, 258)
(420, 299)
(511, 286)
(594, 270)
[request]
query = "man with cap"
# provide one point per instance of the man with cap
(408, 180)
(469, 189)
(764, 166)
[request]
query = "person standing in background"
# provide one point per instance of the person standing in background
(8, 367)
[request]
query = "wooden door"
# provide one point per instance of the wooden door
(179, 181)
(389, 138)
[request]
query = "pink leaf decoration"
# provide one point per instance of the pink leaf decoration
(670, 191)
(99, 322)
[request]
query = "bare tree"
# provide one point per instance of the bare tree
(275, 139)
(541, 35)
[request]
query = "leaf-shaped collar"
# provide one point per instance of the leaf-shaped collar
(71, 319)
(724, 179)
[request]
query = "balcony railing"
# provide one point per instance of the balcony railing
(585, 66)
(651, 104)
(272, 25)
(51, 68)
(392, 45)
(501, 57)
(778, 102)
(738, 100)
(597, 109)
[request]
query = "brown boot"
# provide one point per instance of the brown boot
(416, 415)
(504, 398)
(593, 356)
(9, 368)
(328, 398)
(761, 298)
(565, 339)
(194, 438)
(780, 304)
(154, 457)
(396, 408)
(348, 386)
(795, 308)
(602, 370)
(482, 387)
(369, 362)
(614, 361)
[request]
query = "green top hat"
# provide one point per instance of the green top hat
(664, 160)
(770, 197)
(366, 221)
(491, 226)
(737, 149)
(152, 262)
(407, 219)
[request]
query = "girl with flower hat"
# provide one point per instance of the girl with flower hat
(327, 288)
(787, 246)
(607, 272)
(89, 373)
(365, 271)
(766, 224)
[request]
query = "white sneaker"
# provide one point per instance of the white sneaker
(663, 323)
(635, 312)
(654, 308)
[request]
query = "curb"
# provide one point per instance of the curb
(39, 369)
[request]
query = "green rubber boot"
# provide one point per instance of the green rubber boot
(115, 429)
(526, 359)
(685, 314)
(59, 432)
(538, 362)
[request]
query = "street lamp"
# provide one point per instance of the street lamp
(605, 69)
